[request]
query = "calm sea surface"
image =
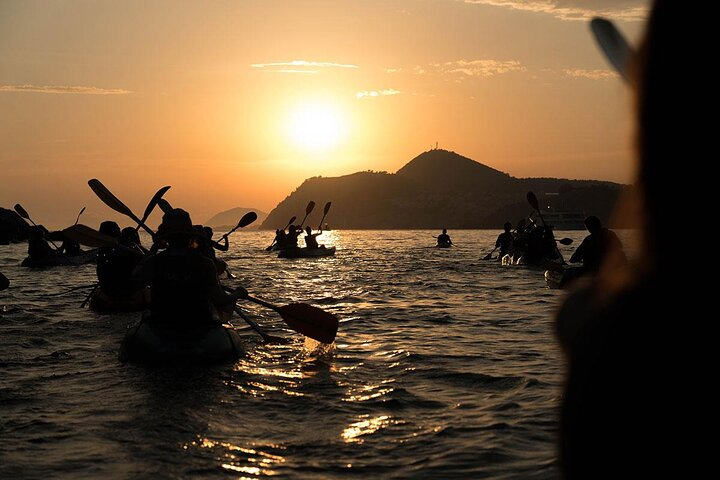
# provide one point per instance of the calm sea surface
(445, 366)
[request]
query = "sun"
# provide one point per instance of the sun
(316, 126)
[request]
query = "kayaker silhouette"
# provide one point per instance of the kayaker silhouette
(505, 240)
(184, 285)
(444, 239)
(597, 247)
(311, 238)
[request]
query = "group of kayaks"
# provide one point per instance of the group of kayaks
(150, 342)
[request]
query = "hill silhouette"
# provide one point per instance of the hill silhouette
(228, 219)
(436, 189)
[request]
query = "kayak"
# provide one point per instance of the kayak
(101, 302)
(508, 260)
(61, 260)
(563, 278)
(153, 344)
(443, 245)
(306, 252)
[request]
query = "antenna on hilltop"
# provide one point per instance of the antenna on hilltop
(436, 145)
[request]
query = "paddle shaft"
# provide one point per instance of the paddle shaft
(325, 212)
(78, 216)
(113, 202)
(27, 217)
(308, 211)
(89, 296)
(252, 324)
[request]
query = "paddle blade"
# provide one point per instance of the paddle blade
(613, 44)
(4, 282)
(247, 219)
(21, 211)
(309, 208)
(488, 256)
(533, 201)
(566, 241)
(108, 198)
(89, 237)
(310, 321)
(164, 205)
(327, 208)
(154, 201)
(292, 219)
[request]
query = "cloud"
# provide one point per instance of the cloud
(61, 89)
(377, 93)
(599, 74)
(471, 68)
(629, 10)
(299, 66)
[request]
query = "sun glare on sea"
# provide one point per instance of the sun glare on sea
(316, 126)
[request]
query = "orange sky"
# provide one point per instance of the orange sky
(210, 97)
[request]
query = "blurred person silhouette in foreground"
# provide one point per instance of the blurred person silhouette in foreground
(622, 412)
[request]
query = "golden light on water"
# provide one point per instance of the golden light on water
(233, 456)
(368, 426)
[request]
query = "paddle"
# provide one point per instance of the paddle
(565, 241)
(292, 219)
(308, 209)
(269, 247)
(89, 295)
(24, 214)
(78, 217)
(613, 44)
(89, 237)
(266, 338)
(487, 257)
(246, 220)
(325, 212)
(4, 282)
(113, 202)
(153, 202)
(310, 321)
(164, 205)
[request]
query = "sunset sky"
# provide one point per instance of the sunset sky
(235, 103)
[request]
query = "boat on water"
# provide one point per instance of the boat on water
(563, 278)
(443, 245)
(510, 260)
(153, 344)
(82, 258)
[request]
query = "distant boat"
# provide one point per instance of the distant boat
(565, 220)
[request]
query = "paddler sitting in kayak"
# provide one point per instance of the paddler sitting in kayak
(598, 247)
(130, 238)
(311, 239)
(204, 245)
(38, 248)
(505, 240)
(186, 292)
(444, 238)
(117, 288)
(291, 240)
(216, 245)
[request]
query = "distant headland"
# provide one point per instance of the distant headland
(436, 189)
